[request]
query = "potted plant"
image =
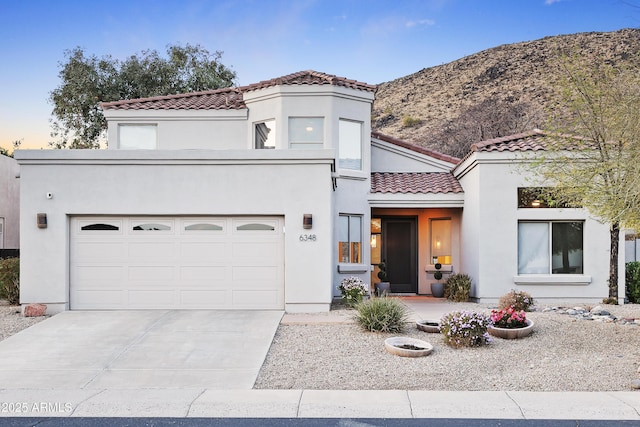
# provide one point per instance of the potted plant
(509, 323)
(437, 288)
(383, 287)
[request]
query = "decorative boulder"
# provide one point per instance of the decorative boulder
(34, 310)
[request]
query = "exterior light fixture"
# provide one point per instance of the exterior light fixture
(535, 203)
(307, 221)
(42, 220)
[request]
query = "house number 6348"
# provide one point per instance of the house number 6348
(307, 237)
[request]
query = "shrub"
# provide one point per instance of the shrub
(353, 289)
(519, 300)
(509, 318)
(632, 280)
(10, 280)
(457, 287)
(381, 315)
(465, 329)
(408, 121)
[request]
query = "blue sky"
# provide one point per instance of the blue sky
(368, 40)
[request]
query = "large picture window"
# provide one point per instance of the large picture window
(550, 247)
(350, 239)
(350, 145)
(137, 137)
(306, 133)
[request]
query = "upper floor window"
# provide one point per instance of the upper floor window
(550, 247)
(137, 137)
(541, 197)
(306, 133)
(265, 134)
(350, 145)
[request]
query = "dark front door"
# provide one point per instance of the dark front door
(400, 253)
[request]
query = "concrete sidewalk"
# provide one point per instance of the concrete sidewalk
(181, 403)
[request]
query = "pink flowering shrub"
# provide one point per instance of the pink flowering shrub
(509, 318)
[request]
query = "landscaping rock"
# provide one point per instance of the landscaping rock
(635, 384)
(34, 310)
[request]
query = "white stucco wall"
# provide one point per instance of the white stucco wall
(10, 202)
(194, 182)
(490, 236)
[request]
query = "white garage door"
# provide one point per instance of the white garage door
(177, 262)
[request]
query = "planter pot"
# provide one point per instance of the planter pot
(431, 326)
(511, 334)
(407, 347)
(437, 290)
(382, 288)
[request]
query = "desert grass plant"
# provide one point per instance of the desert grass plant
(457, 287)
(353, 290)
(381, 315)
(519, 300)
(10, 280)
(465, 329)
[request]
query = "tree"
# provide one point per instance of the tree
(86, 81)
(492, 118)
(16, 144)
(601, 169)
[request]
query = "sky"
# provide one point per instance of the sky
(373, 41)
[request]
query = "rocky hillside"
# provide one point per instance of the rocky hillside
(417, 106)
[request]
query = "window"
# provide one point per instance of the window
(553, 247)
(306, 133)
(350, 239)
(137, 137)
(265, 135)
(441, 241)
(541, 197)
(99, 227)
(350, 145)
(151, 226)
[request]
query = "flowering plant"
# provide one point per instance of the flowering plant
(465, 329)
(353, 289)
(519, 300)
(509, 318)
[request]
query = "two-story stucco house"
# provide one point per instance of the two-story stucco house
(266, 196)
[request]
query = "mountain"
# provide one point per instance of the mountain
(417, 107)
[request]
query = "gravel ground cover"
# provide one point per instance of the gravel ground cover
(562, 354)
(12, 322)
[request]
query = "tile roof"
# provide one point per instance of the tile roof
(310, 77)
(230, 98)
(533, 140)
(217, 99)
(416, 148)
(414, 182)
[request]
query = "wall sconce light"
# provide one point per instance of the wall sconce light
(374, 241)
(42, 220)
(307, 221)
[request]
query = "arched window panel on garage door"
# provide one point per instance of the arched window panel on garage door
(152, 225)
(203, 226)
(99, 226)
(256, 225)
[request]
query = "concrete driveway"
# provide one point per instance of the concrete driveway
(139, 349)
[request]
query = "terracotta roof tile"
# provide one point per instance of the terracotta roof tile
(218, 99)
(310, 77)
(414, 182)
(533, 140)
(230, 98)
(422, 150)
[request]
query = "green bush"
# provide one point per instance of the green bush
(381, 315)
(457, 287)
(408, 121)
(632, 280)
(465, 329)
(519, 300)
(10, 280)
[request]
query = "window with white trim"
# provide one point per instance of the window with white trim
(137, 137)
(350, 239)
(550, 247)
(265, 135)
(350, 145)
(306, 133)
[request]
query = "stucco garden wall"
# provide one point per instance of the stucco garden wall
(10, 202)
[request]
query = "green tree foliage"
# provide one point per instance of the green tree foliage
(601, 169)
(87, 80)
(16, 145)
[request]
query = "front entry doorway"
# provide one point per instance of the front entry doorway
(399, 252)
